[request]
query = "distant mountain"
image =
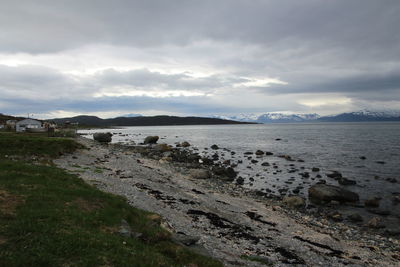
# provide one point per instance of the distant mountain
(130, 115)
(357, 116)
(279, 117)
(144, 121)
(363, 115)
(4, 118)
(272, 118)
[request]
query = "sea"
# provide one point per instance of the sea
(368, 153)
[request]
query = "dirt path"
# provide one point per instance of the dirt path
(227, 226)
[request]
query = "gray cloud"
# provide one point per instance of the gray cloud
(348, 48)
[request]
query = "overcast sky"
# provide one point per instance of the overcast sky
(190, 57)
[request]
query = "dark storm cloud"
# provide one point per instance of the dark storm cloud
(349, 47)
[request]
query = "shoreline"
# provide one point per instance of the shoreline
(227, 221)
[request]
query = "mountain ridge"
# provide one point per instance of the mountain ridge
(355, 116)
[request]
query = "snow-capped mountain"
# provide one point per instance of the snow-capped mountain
(280, 117)
(363, 115)
(356, 116)
(239, 117)
(270, 117)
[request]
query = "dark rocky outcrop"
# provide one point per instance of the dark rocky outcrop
(326, 193)
(102, 137)
(151, 139)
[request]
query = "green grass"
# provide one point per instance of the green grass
(49, 217)
(24, 144)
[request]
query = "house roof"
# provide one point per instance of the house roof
(29, 121)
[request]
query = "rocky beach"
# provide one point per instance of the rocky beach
(204, 205)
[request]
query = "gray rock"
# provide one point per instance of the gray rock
(151, 139)
(294, 202)
(185, 240)
(199, 174)
(125, 229)
(345, 181)
(185, 144)
(215, 147)
(323, 192)
(103, 137)
(375, 223)
(259, 152)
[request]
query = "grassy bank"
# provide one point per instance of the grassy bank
(49, 217)
(35, 144)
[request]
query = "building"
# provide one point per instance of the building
(10, 125)
(26, 124)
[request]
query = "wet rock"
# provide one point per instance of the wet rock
(229, 172)
(378, 211)
(185, 144)
(396, 200)
(336, 216)
(199, 174)
(326, 193)
(103, 137)
(315, 169)
(240, 180)
(259, 152)
(268, 153)
(345, 181)
(163, 147)
(363, 158)
(254, 161)
(355, 217)
(215, 147)
(391, 180)
(151, 140)
(294, 201)
(248, 153)
(287, 157)
(334, 175)
(372, 202)
(375, 223)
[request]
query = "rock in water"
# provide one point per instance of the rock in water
(372, 202)
(345, 181)
(215, 147)
(199, 174)
(103, 137)
(151, 139)
(324, 192)
(185, 144)
(294, 202)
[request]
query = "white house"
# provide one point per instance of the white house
(23, 125)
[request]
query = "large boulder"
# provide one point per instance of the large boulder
(151, 139)
(103, 137)
(327, 193)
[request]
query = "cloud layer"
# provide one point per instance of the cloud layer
(198, 57)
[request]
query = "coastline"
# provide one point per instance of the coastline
(226, 221)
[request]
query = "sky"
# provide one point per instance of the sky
(190, 57)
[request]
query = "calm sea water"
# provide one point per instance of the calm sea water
(331, 146)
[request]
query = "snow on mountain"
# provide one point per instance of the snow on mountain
(270, 117)
(281, 117)
(378, 113)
